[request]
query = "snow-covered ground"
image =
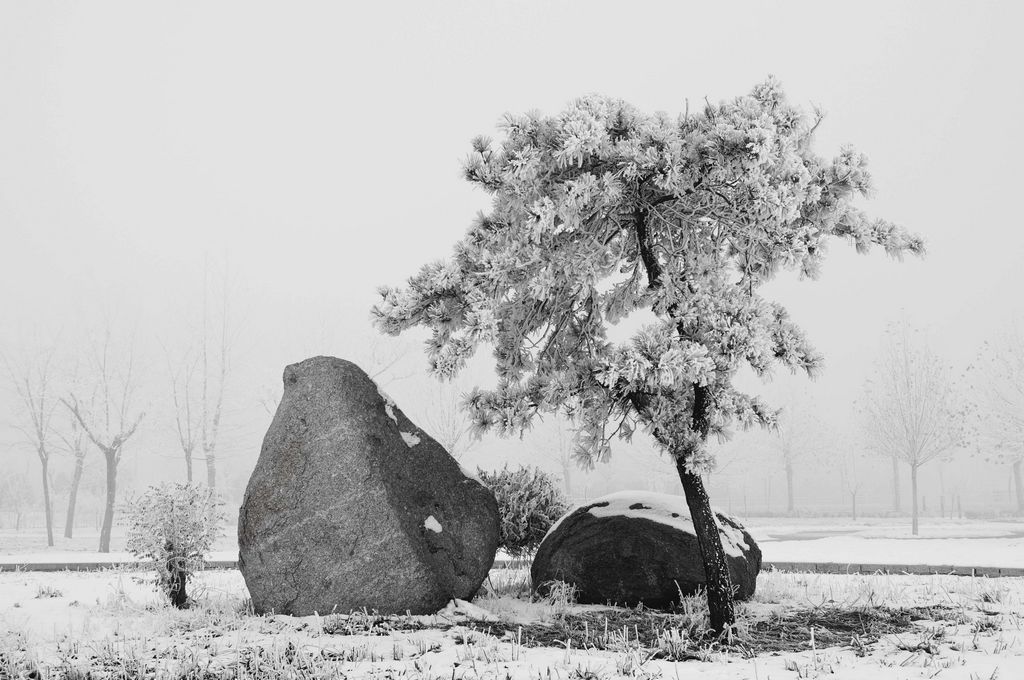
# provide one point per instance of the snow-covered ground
(75, 618)
(115, 613)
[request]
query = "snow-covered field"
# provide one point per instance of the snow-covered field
(865, 626)
(105, 620)
(114, 624)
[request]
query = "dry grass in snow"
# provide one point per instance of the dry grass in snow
(112, 625)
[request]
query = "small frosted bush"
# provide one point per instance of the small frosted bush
(174, 526)
(529, 502)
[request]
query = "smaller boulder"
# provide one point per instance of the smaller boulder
(636, 547)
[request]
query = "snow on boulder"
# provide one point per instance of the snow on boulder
(389, 405)
(338, 516)
(634, 547)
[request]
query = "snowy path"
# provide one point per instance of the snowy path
(961, 552)
(810, 555)
(874, 541)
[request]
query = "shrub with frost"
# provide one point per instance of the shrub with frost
(529, 502)
(174, 526)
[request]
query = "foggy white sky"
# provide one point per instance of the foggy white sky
(313, 150)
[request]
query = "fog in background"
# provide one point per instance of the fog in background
(162, 163)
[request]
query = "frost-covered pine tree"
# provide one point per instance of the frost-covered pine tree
(602, 211)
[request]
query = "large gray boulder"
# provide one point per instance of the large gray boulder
(351, 505)
(635, 547)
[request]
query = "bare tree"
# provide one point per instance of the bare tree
(15, 494)
(999, 390)
(379, 356)
(797, 437)
(198, 399)
(897, 495)
(33, 385)
(910, 407)
(446, 422)
(197, 391)
(848, 459)
(76, 445)
(269, 399)
(384, 358)
(184, 421)
(110, 423)
(559, 446)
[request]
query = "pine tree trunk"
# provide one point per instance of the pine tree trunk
(913, 491)
(716, 568)
(1018, 484)
(188, 466)
(789, 488)
(46, 500)
(896, 502)
(108, 510)
(853, 499)
(709, 540)
(76, 480)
